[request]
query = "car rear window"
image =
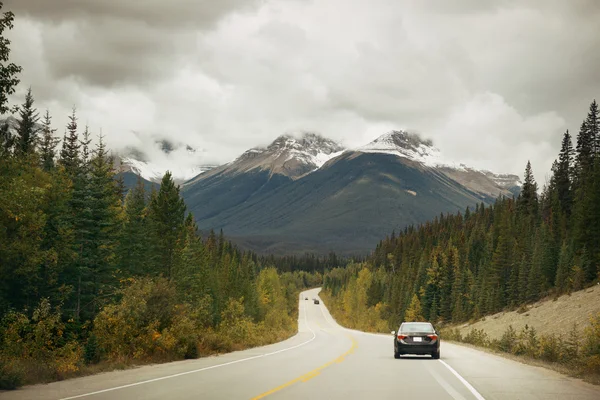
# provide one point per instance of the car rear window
(417, 327)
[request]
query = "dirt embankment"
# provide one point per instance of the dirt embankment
(547, 316)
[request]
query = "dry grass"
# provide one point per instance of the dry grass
(549, 316)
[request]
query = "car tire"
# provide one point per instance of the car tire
(436, 355)
(396, 355)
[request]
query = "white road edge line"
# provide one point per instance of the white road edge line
(447, 387)
(205, 368)
(474, 391)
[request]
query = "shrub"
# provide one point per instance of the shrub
(11, 375)
(591, 347)
(550, 348)
(530, 342)
(36, 349)
(477, 337)
(508, 341)
(452, 334)
(147, 323)
(91, 351)
(572, 345)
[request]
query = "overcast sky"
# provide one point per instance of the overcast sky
(492, 85)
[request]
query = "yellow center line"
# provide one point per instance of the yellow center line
(311, 374)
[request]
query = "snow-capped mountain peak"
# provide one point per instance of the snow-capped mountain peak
(310, 148)
(290, 155)
(407, 145)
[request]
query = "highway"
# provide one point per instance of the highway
(324, 361)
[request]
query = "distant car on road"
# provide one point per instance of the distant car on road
(416, 338)
(306, 298)
(316, 301)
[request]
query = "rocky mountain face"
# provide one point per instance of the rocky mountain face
(287, 156)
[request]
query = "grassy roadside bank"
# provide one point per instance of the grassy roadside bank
(573, 354)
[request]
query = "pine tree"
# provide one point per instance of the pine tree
(70, 152)
(586, 209)
(459, 292)
(57, 237)
(502, 264)
(528, 199)
(48, 144)
(535, 281)
(27, 128)
(102, 231)
(584, 152)
(564, 267)
(451, 261)
(84, 143)
(78, 274)
(166, 216)
(132, 247)
(190, 272)
(592, 123)
(563, 174)
(549, 256)
(524, 271)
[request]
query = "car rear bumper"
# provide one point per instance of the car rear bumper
(417, 348)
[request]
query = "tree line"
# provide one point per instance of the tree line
(92, 273)
(463, 266)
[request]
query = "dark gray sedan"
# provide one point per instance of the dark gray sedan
(416, 338)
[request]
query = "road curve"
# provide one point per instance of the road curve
(324, 361)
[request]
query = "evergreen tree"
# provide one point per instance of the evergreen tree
(564, 267)
(451, 261)
(524, 268)
(57, 238)
(132, 247)
(103, 223)
(528, 199)
(584, 158)
(48, 144)
(70, 152)
(166, 216)
(592, 123)
(27, 128)
(189, 272)
(587, 194)
(563, 174)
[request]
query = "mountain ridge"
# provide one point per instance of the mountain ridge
(346, 205)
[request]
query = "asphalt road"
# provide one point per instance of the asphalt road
(324, 361)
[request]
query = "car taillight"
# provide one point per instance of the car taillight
(432, 337)
(402, 337)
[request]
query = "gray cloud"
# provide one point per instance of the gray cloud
(492, 83)
(179, 14)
